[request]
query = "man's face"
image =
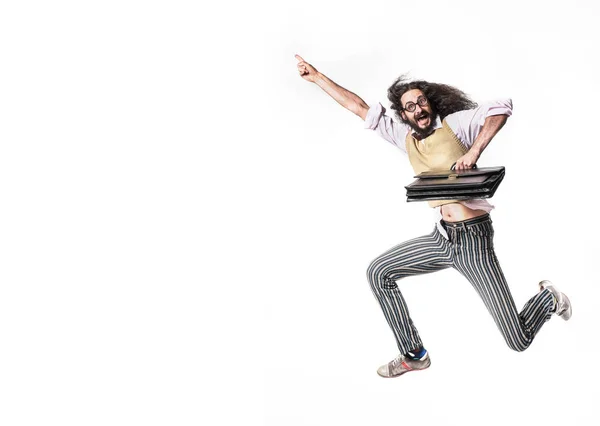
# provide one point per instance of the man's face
(422, 118)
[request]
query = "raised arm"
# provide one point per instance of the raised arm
(344, 97)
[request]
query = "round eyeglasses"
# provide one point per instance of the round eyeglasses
(411, 106)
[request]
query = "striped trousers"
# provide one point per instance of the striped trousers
(469, 249)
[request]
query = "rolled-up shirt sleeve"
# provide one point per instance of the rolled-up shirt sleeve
(393, 132)
(468, 123)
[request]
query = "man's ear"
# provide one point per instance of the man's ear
(403, 115)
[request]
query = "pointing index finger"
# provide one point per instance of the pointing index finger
(299, 58)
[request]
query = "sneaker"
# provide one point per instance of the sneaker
(563, 304)
(402, 364)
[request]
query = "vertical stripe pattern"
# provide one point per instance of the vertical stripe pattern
(470, 251)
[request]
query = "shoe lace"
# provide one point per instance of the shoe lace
(397, 361)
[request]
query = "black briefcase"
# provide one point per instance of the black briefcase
(455, 185)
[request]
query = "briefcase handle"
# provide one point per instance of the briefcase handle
(454, 166)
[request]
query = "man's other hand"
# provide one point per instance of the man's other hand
(467, 161)
(306, 70)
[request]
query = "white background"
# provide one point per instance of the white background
(185, 223)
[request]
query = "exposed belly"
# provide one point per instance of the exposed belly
(456, 212)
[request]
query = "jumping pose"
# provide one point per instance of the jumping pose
(440, 126)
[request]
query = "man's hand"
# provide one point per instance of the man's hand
(345, 98)
(306, 70)
(467, 161)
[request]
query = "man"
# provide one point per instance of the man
(440, 126)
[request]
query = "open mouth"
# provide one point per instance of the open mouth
(423, 118)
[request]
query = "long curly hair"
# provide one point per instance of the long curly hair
(444, 99)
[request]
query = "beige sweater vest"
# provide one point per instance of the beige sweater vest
(437, 151)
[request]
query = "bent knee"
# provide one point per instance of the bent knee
(376, 271)
(380, 277)
(371, 270)
(518, 347)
